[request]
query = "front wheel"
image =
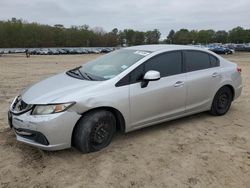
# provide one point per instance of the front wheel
(222, 101)
(94, 131)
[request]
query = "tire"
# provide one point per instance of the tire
(94, 131)
(222, 101)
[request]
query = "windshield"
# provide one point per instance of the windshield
(112, 64)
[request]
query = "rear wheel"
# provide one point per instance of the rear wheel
(222, 101)
(94, 131)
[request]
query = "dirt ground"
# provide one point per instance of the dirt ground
(196, 151)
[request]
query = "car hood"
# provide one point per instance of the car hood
(54, 89)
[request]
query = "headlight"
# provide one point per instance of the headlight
(51, 108)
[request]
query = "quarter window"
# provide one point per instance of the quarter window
(214, 61)
(137, 74)
(134, 76)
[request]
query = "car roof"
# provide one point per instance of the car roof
(167, 47)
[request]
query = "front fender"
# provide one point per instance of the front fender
(117, 98)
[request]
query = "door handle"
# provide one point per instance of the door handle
(215, 74)
(179, 84)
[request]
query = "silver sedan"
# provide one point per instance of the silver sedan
(125, 90)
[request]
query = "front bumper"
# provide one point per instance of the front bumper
(47, 132)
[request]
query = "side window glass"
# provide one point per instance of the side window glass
(134, 76)
(167, 64)
(137, 74)
(214, 61)
(124, 81)
(196, 60)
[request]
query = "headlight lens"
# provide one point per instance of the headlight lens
(51, 108)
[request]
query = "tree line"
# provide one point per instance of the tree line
(16, 33)
(184, 36)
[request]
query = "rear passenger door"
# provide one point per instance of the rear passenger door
(161, 99)
(203, 77)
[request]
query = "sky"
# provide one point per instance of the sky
(140, 15)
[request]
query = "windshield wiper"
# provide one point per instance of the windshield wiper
(79, 74)
(76, 73)
(87, 75)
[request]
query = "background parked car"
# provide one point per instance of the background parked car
(221, 50)
(242, 48)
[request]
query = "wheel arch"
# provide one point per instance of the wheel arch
(226, 85)
(231, 88)
(120, 126)
(214, 110)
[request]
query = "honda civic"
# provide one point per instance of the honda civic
(124, 90)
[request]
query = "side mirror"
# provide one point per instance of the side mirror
(150, 76)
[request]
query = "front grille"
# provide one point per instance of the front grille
(19, 106)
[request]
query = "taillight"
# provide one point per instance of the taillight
(238, 69)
